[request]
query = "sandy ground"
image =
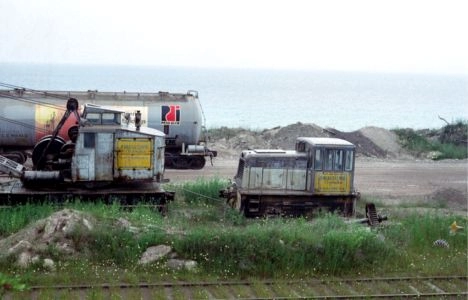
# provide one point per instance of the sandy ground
(392, 180)
(385, 179)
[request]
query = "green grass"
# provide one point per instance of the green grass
(15, 218)
(200, 191)
(228, 246)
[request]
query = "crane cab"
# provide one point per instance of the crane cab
(106, 150)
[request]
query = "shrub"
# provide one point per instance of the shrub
(451, 141)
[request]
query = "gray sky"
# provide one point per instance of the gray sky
(362, 35)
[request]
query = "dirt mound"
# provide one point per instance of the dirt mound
(230, 141)
(364, 145)
(369, 141)
(285, 137)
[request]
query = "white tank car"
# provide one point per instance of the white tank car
(28, 118)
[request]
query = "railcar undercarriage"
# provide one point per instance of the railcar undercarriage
(13, 192)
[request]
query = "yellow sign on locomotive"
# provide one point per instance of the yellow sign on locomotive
(134, 153)
(330, 182)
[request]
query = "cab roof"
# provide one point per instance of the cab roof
(270, 153)
(324, 141)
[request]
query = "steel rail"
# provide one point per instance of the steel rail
(326, 282)
(245, 282)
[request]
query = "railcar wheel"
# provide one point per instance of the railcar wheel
(235, 202)
(52, 152)
(181, 162)
(197, 162)
(349, 207)
(168, 160)
(67, 150)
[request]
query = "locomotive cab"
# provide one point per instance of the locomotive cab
(317, 175)
(331, 164)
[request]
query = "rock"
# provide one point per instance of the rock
(65, 222)
(125, 224)
(434, 155)
(24, 259)
(49, 264)
(20, 247)
(65, 248)
(54, 231)
(154, 253)
(179, 264)
(35, 259)
(87, 224)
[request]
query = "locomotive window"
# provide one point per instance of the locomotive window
(109, 118)
(300, 147)
(318, 159)
(338, 164)
(240, 170)
(94, 118)
(349, 160)
(89, 140)
(328, 162)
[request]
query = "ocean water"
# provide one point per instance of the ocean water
(259, 99)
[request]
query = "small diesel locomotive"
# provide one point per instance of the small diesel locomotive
(317, 175)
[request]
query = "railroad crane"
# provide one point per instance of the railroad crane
(103, 159)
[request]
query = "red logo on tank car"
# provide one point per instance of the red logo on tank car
(170, 114)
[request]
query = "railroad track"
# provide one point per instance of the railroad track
(404, 287)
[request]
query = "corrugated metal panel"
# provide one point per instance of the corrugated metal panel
(274, 178)
(297, 179)
(104, 156)
(84, 168)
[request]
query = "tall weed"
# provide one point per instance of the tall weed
(201, 191)
(283, 247)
